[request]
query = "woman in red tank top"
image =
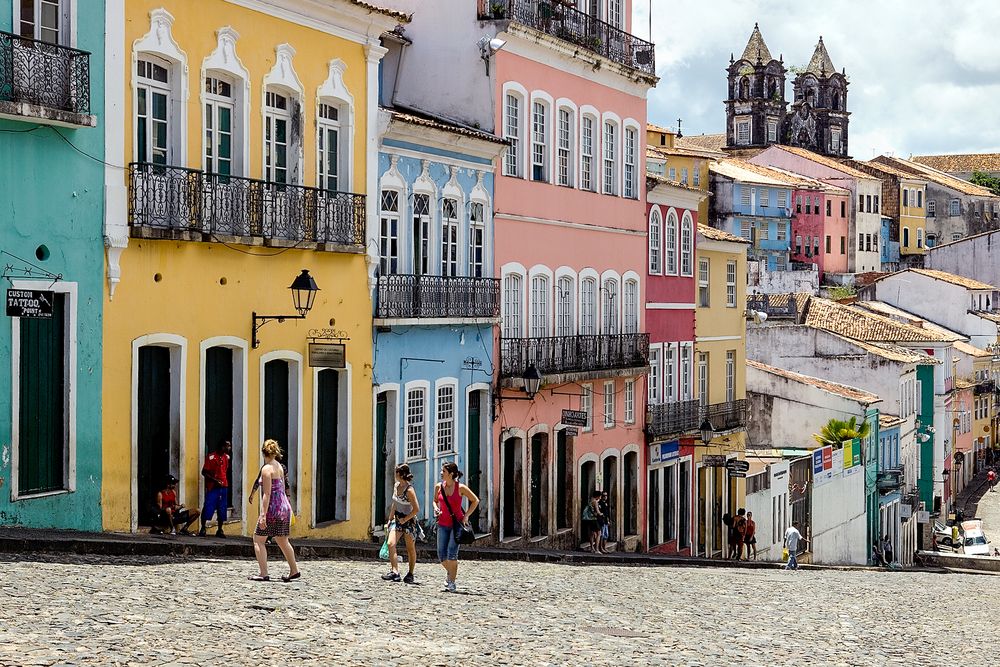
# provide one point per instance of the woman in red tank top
(448, 496)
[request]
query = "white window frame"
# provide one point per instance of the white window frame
(609, 154)
(731, 283)
(420, 232)
(743, 132)
(687, 245)
(670, 372)
(445, 424)
(477, 240)
(214, 103)
(389, 241)
(670, 235)
(417, 395)
(704, 284)
(65, 29)
(513, 114)
(610, 305)
(588, 305)
(630, 189)
(587, 151)
(540, 118)
(628, 398)
(272, 116)
(587, 404)
(655, 242)
(565, 159)
(609, 404)
(686, 365)
(450, 225)
(541, 313)
(655, 379)
(513, 302)
(149, 86)
(630, 306)
(703, 389)
(765, 197)
(325, 125)
(730, 376)
(565, 298)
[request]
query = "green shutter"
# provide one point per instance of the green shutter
(42, 411)
(326, 445)
(153, 422)
(219, 406)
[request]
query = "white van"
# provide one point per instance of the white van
(974, 543)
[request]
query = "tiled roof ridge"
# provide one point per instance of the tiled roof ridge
(865, 324)
(954, 279)
(826, 161)
(405, 18)
(836, 388)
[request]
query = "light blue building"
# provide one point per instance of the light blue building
(51, 240)
(754, 202)
(888, 249)
(436, 305)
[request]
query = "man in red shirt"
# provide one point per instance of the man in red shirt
(991, 477)
(169, 514)
(215, 472)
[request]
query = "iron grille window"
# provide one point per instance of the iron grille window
(415, 418)
(565, 147)
(477, 240)
(389, 233)
(587, 154)
(512, 133)
(445, 419)
(539, 142)
(449, 237)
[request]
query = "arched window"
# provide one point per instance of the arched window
(920, 238)
(565, 296)
(670, 244)
(539, 141)
(745, 88)
(687, 244)
(389, 232)
(655, 266)
(449, 237)
(539, 307)
(220, 108)
(588, 307)
(609, 306)
(906, 237)
(631, 307)
(477, 239)
(513, 104)
(512, 305)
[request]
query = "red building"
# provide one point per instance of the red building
(820, 220)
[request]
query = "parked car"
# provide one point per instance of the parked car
(974, 543)
(943, 535)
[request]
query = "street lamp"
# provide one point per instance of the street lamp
(532, 381)
(304, 290)
(707, 431)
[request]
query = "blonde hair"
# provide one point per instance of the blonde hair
(271, 448)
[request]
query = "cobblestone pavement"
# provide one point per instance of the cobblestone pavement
(91, 611)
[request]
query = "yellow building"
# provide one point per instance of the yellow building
(248, 133)
(720, 378)
(668, 156)
(912, 216)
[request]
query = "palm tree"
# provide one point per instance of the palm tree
(837, 431)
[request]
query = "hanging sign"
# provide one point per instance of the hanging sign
(571, 431)
(713, 460)
(327, 355)
(738, 466)
(574, 417)
(29, 303)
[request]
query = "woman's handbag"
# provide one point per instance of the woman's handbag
(588, 513)
(462, 534)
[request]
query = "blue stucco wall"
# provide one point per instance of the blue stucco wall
(52, 195)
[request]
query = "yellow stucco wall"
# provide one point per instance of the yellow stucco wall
(913, 218)
(198, 291)
(719, 321)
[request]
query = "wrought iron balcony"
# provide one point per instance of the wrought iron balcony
(179, 200)
(984, 387)
(44, 74)
(663, 419)
(437, 296)
(573, 354)
(559, 19)
(727, 416)
(889, 480)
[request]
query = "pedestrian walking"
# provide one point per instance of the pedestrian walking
(215, 471)
(791, 542)
(887, 555)
(169, 514)
(750, 538)
(991, 477)
(275, 514)
(403, 509)
(605, 520)
(591, 521)
(451, 519)
(740, 531)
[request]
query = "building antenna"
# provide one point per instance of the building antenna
(650, 21)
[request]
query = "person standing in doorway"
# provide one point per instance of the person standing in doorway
(403, 510)
(887, 555)
(605, 520)
(591, 521)
(275, 515)
(216, 487)
(750, 538)
(740, 531)
(792, 539)
(448, 494)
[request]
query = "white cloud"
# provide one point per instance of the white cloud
(925, 74)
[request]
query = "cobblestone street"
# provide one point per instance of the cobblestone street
(87, 611)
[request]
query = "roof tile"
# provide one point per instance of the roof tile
(718, 235)
(842, 390)
(961, 162)
(864, 325)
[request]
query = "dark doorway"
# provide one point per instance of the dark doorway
(511, 487)
(630, 510)
(381, 458)
(474, 456)
(564, 481)
(328, 463)
(219, 410)
(153, 404)
(610, 485)
(588, 483)
(653, 508)
(539, 485)
(277, 420)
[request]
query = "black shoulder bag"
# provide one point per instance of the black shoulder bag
(463, 535)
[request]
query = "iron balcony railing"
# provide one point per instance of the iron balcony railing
(727, 416)
(189, 200)
(437, 296)
(890, 479)
(573, 354)
(663, 419)
(558, 19)
(48, 75)
(984, 387)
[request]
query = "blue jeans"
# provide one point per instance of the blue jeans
(447, 546)
(216, 500)
(793, 563)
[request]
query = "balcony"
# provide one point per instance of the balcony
(419, 297)
(555, 18)
(889, 480)
(45, 82)
(984, 387)
(665, 419)
(728, 416)
(188, 204)
(563, 355)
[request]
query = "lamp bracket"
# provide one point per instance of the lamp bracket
(328, 334)
(260, 320)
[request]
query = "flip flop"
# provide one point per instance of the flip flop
(257, 577)
(291, 577)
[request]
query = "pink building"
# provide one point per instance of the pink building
(820, 227)
(570, 226)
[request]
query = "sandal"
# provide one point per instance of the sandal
(257, 577)
(291, 577)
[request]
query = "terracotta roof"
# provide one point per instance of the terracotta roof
(718, 235)
(652, 180)
(821, 64)
(781, 300)
(961, 162)
(864, 325)
(892, 170)
(931, 174)
(405, 18)
(650, 127)
(889, 421)
(441, 124)
(747, 172)
(890, 352)
(961, 281)
(972, 350)
(756, 48)
(714, 142)
(962, 383)
(684, 151)
(992, 317)
(826, 161)
(813, 184)
(842, 390)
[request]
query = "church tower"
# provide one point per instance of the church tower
(756, 107)
(819, 116)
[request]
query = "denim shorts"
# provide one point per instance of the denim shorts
(447, 546)
(216, 500)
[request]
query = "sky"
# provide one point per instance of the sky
(924, 74)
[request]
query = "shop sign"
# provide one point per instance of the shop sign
(327, 355)
(574, 417)
(905, 511)
(29, 303)
(738, 466)
(571, 431)
(737, 474)
(923, 516)
(713, 460)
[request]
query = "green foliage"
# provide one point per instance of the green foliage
(837, 431)
(838, 292)
(983, 179)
